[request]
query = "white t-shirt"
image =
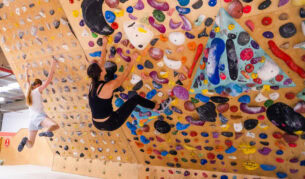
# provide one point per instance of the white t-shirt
(37, 106)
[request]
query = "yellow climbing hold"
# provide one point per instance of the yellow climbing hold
(119, 13)
(17, 25)
(204, 91)
(140, 29)
(205, 82)
(231, 26)
(110, 157)
(263, 59)
(117, 60)
(263, 126)
(225, 126)
(171, 83)
(250, 165)
(266, 88)
(133, 68)
(38, 2)
(174, 102)
(254, 75)
(75, 13)
(110, 40)
(217, 29)
(192, 90)
(138, 58)
(189, 147)
(247, 149)
(164, 74)
(298, 132)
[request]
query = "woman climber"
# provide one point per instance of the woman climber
(101, 93)
(38, 118)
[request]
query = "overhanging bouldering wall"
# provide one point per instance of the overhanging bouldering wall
(235, 141)
(31, 34)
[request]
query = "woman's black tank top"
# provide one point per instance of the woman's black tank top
(100, 108)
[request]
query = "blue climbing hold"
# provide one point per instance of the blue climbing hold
(109, 16)
(183, 10)
(222, 67)
(164, 153)
(140, 67)
(168, 112)
(202, 98)
(144, 140)
(216, 50)
(129, 9)
(118, 102)
(222, 118)
(151, 94)
(302, 162)
(203, 161)
(268, 167)
(224, 177)
(244, 99)
(212, 3)
(184, 133)
(281, 174)
(133, 132)
(96, 54)
(131, 126)
(230, 150)
(220, 156)
(263, 136)
(279, 152)
(219, 89)
(180, 126)
(183, 2)
(157, 85)
(204, 134)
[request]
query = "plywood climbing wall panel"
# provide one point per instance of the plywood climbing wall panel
(32, 33)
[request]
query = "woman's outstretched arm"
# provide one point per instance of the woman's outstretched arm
(50, 76)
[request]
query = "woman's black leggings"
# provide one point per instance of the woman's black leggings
(118, 117)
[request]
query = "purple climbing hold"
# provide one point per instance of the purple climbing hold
(264, 151)
(268, 34)
(181, 93)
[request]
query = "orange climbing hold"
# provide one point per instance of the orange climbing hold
(202, 67)
(163, 38)
(191, 46)
(183, 59)
(139, 145)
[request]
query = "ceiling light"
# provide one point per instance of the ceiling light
(2, 99)
(9, 87)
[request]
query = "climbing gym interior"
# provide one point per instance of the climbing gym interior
(234, 69)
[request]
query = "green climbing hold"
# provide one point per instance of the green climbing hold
(268, 103)
(94, 35)
(121, 68)
(184, 159)
(193, 100)
(175, 132)
(159, 15)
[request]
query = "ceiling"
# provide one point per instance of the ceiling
(14, 98)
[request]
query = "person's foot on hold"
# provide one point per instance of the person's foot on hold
(22, 144)
(46, 134)
(165, 104)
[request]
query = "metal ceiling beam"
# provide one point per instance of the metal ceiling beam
(6, 70)
(15, 106)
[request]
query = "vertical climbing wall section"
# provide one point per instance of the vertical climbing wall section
(32, 32)
(202, 129)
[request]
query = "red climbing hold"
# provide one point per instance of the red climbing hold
(279, 78)
(142, 94)
(260, 117)
(71, 1)
(233, 108)
(115, 25)
(303, 58)
(211, 156)
(266, 21)
(292, 145)
(279, 160)
(247, 9)
(193, 134)
(277, 135)
(246, 54)
(290, 95)
(258, 80)
(228, 143)
(227, 0)
(170, 171)
(249, 68)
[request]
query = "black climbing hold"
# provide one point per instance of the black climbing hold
(131, 94)
(147, 162)
(162, 126)
(197, 4)
(173, 152)
(82, 155)
(94, 17)
(287, 30)
(194, 160)
(250, 124)
(56, 24)
(208, 148)
(169, 118)
(30, 5)
(227, 134)
(207, 112)
(52, 12)
(219, 99)
(243, 38)
(148, 64)
(112, 51)
(302, 12)
(187, 140)
(178, 165)
(285, 118)
(57, 152)
(231, 36)
(232, 59)
(203, 33)
(178, 82)
(208, 22)
(123, 1)
(138, 86)
(233, 163)
(136, 138)
(100, 42)
(175, 73)
(170, 164)
(152, 157)
(265, 4)
(141, 150)
(147, 169)
(264, 143)
(154, 41)
(247, 1)
(66, 148)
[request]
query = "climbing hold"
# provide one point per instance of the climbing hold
(159, 15)
(222, 108)
(244, 99)
(300, 107)
(235, 9)
(162, 126)
(283, 16)
(207, 112)
(282, 2)
(180, 92)
(155, 53)
(260, 98)
(162, 6)
(250, 124)
(215, 52)
(110, 16)
(266, 20)
(177, 38)
(265, 4)
(250, 25)
(268, 34)
(197, 4)
(180, 126)
(183, 10)
(154, 76)
(112, 3)
(251, 110)
(219, 99)
(189, 106)
(202, 98)
(243, 38)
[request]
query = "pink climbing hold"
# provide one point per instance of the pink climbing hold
(235, 9)
(112, 3)
(250, 25)
(246, 54)
(160, 27)
(155, 53)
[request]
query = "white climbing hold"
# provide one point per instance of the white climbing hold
(217, 21)
(303, 27)
(232, 157)
(300, 45)
(34, 30)
(135, 79)
(148, 87)
(177, 38)
(172, 64)
(274, 96)
(160, 94)
(238, 127)
(168, 51)
(85, 33)
(138, 34)
(24, 8)
(160, 64)
(250, 134)
(260, 98)
(268, 71)
(42, 14)
(17, 11)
